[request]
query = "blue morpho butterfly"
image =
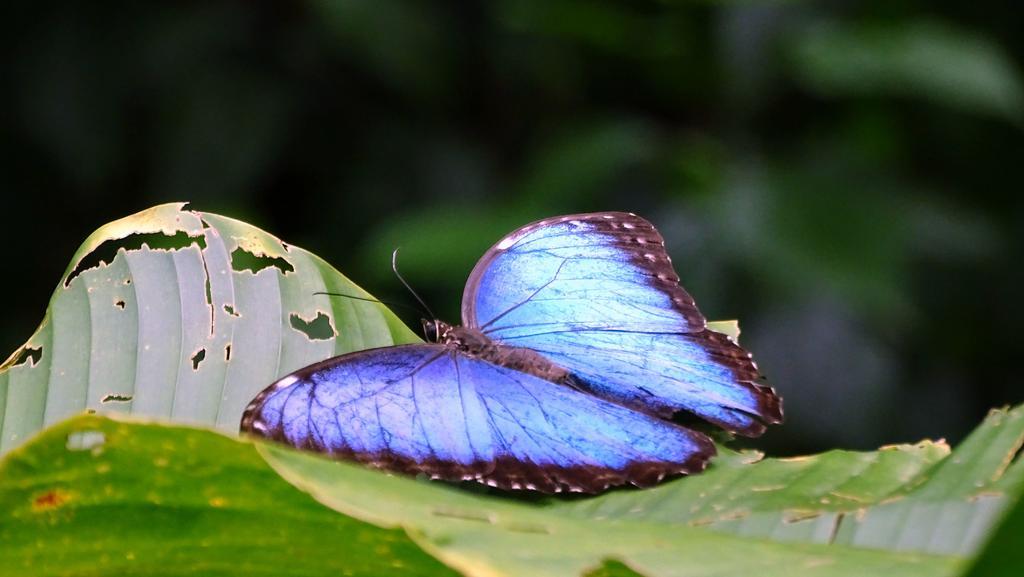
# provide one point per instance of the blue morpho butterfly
(578, 347)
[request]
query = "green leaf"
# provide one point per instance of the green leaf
(925, 59)
(859, 508)
(93, 496)
(730, 329)
(795, 499)
(905, 498)
(1003, 555)
(183, 315)
(488, 535)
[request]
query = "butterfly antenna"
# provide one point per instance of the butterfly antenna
(369, 300)
(394, 267)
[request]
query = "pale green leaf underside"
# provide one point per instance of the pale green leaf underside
(190, 331)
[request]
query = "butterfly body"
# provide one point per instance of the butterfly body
(577, 349)
(475, 344)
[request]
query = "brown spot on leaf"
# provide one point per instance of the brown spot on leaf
(49, 500)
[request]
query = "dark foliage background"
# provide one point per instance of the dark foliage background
(844, 177)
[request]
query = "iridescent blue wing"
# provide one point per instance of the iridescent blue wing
(597, 294)
(430, 409)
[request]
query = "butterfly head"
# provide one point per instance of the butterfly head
(435, 331)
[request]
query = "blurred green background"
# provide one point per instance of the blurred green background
(843, 177)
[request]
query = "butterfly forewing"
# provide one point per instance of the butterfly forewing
(602, 271)
(597, 294)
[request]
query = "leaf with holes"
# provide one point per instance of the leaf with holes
(184, 315)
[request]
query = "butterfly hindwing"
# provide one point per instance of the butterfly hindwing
(597, 294)
(430, 409)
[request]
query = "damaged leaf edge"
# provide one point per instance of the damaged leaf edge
(154, 220)
(149, 221)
